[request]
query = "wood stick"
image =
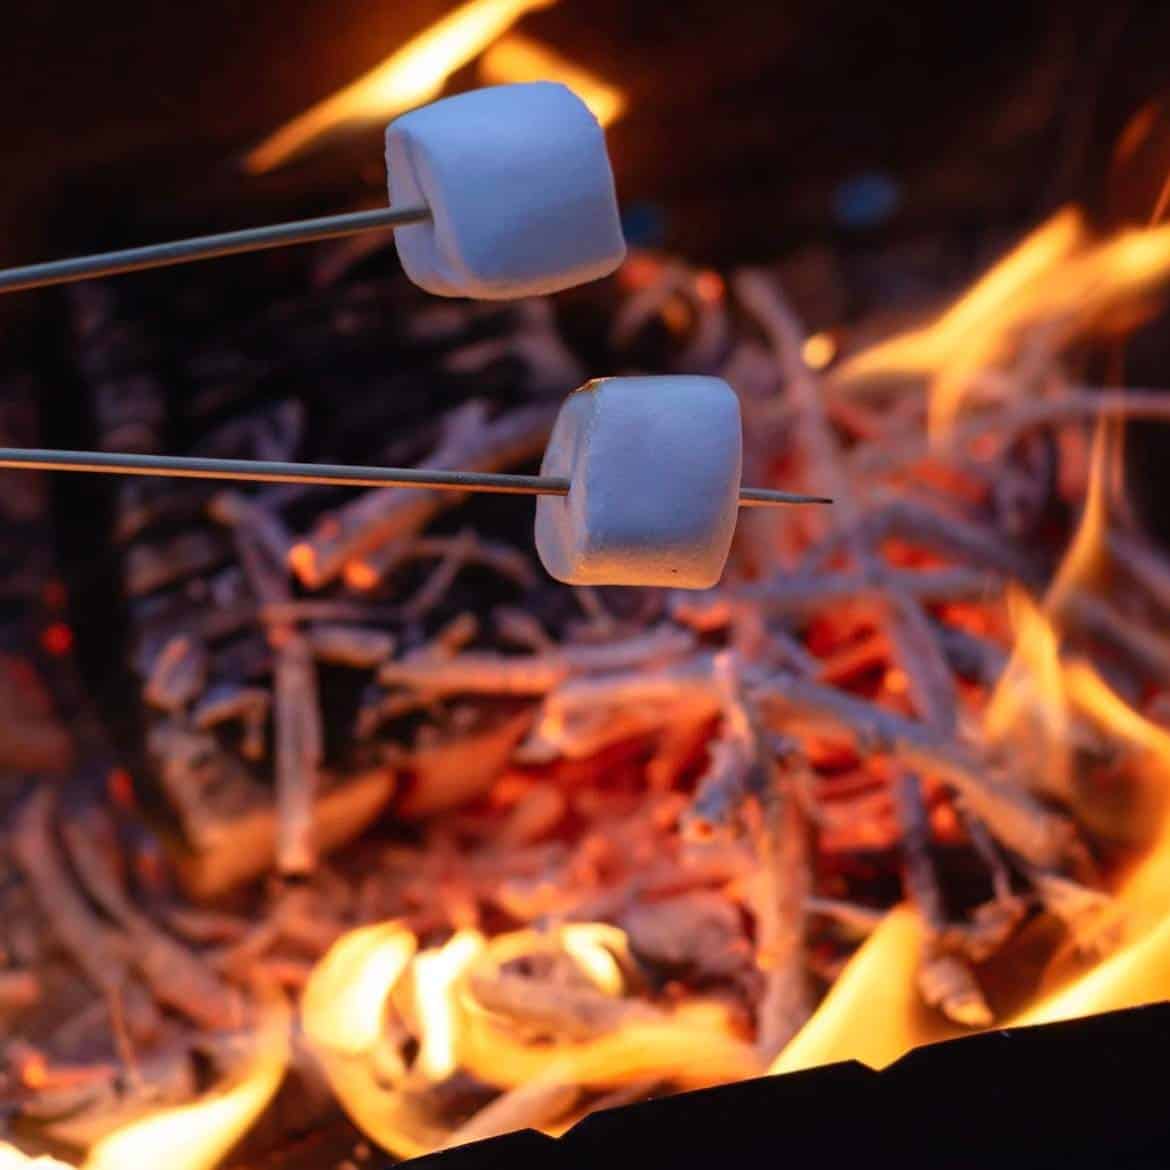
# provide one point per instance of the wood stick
(1076, 406)
(1014, 816)
(299, 751)
(470, 443)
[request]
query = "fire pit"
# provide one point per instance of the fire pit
(337, 831)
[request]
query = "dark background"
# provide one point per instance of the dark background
(746, 117)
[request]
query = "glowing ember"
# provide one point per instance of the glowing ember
(517, 58)
(411, 76)
(818, 350)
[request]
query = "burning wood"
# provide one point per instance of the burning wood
(626, 843)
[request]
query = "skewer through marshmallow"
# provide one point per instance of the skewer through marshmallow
(504, 192)
(654, 466)
(639, 485)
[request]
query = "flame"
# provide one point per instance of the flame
(1029, 705)
(1085, 554)
(435, 975)
(694, 1045)
(1089, 692)
(591, 945)
(1053, 284)
(409, 77)
(873, 1012)
(518, 58)
(344, 1001)
(972, 333)
(197, 1136)
(350, 990)
(1139, 970)
(343, 1012)
(1031, 696)
(12, 1159)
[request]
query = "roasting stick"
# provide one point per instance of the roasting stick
(208, 247)
(335, 474)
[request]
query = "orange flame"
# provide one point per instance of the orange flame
(411, 76)
(12, 1159)
(344, 1001)
(343, 1013)
(1052, 285)
(873, 1012)
(517, 58)
(435, 975)
(694, 1045)
(973, 332)
(347, 997)
(1029, 704)
(199, 1135)
(1083, 558)
(1139, 970)
(591, 945)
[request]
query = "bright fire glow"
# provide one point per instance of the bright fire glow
(517, 58)
(592, 946)
(693, 1046)
(197, 1136)
(873, 1013)
(971, 334)
(435, 975)
(343, 1012)
(1056, 282)
(1029, 699)
(12, 1159)
(818, 350)
(1086, 551)
(351, 989)
(1089, 692)
(1139, 971)
(409, 77)
(345, 1000)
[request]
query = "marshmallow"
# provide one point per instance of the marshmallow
(520, 191)
(653, 466)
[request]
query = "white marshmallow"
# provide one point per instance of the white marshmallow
(519, 188)
(653, 466)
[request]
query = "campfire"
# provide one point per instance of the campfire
(383, 834)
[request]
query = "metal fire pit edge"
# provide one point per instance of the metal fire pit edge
(1080, 1093)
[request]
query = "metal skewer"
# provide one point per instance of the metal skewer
(207, 247)
(260, 471)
